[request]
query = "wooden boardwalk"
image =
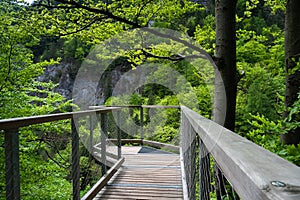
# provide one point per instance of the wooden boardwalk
(145, 174)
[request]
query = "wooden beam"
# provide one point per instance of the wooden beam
(121, 106)
(103, 133)
(162, 107)
(109, 161)
(75, 162)
(183, 177)
(147, 142)
(12, 164)
(254, 172)
(114, 156)
(161, 145)
(137, 106)
(102, 182)
(142, 122)
(14, 123)
(126, 141)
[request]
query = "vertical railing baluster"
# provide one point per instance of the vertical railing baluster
(91, 139)
(142, 123)
(119, 142)
(103, 142)
(75, 161)
(12, 164)
(193, 162)
(188, 159)
(219, 184)
(204, 172)
(188, 144)
(184, 146)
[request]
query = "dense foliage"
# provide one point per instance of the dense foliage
(35, 36)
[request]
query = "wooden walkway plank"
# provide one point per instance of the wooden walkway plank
(150, 175)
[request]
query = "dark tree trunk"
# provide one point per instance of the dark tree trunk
(226, 61)
(226, 79)
(292, 55)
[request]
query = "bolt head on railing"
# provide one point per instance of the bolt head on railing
(278, 183)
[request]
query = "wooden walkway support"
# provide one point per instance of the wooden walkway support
(145, 174)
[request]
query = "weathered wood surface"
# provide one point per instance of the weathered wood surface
(13, 123)
(254, 172)
(161, 145)
(126, 141)
(148, 143)
(145, 176)
(160, 106)
(101, 183)
(136, 106)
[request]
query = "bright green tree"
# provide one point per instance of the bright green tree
(22, 95)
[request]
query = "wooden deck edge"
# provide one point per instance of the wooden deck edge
(107, 153)
(149, 143)
(102, 182)
(109, 161)
(162, 145)
(126, 141)
(183, 177)
(136, 106)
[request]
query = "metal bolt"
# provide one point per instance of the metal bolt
(278, 183)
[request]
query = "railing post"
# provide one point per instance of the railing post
(192, 167)
(219, 182)
(75, 162)
(12, 164)
(103, 142)
(119, 143)
(188, 144)
(142, 123)
(91, 139)
(204, 172)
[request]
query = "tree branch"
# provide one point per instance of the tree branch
(49, 6)
(153, 13)
(172, 58)
(175, 57)
(99, 11)
(45, 139)
(140, 10)
(84, 27)
(109, 14)
(58, 163)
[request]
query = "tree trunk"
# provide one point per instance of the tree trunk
(292, 55)
(225, 94)
(226, 62)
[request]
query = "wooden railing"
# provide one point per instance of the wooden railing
(11, 131)
(252, 171)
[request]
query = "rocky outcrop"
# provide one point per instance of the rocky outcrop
(63, 75)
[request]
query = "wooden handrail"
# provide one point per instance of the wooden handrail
(137, 106)
(254, 172)
(102, 182)
(13, 123)
(11, 131)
